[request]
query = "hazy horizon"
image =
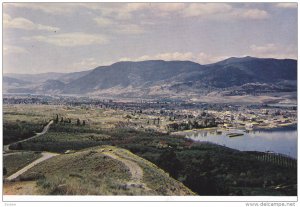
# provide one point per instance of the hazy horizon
(137, 61)
(73, 37)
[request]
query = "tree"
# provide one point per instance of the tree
(19, 146)
(195, 124)
(78, 122)
(190, 125)
(205, 122)
(56, 119)
(169, 162)
(83, 123)
(62, 119)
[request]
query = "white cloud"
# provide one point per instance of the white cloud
(87, 63)
(220, 11)
(103, 22)
(130, 29)
(25, 24)
(251, 14)
(272, 50)
(203, 9)
(130, 7)
(10, 49)
(264, 49)
(162, 56)
(170, 7)
(175, 56)
(49, 8)
(119, 27)
(204, 58)
(125, 11)
(287, 5)
(70, 39)
(201, 58)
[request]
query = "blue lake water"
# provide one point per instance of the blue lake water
(282, 141)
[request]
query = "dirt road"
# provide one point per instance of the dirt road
(46, 128)
(13, 153)
(135, 170)
(45, 156)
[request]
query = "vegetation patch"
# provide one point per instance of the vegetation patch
(16, 161)
(83, 173)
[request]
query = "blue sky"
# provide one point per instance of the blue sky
(66, 37)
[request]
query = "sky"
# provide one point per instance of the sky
(70, 37)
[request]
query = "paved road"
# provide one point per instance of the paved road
(45, 156)
(46, 128)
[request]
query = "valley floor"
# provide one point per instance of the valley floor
(89, 151)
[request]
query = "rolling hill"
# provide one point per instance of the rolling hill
(158, 78)
(104, 170)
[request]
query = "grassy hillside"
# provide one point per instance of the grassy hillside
(102, 170)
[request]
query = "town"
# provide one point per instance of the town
(170, 116)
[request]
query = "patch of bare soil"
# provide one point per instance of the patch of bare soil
(20, 188)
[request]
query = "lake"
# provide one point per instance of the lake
(281, 140)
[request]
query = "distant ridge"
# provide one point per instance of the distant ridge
(235, 76)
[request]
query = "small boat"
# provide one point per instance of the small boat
(235, 134)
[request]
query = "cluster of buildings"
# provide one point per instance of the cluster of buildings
(179, 115)
(257, 118)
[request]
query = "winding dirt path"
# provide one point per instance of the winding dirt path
(46, 128)
(45, 156)
(135, 170)
(13, 153)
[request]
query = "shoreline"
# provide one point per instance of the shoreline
(285, 127)
(188, 134)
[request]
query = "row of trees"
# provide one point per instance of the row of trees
(278, 159)
(192, 125)
(68, 120)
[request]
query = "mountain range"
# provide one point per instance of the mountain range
(158, 78)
